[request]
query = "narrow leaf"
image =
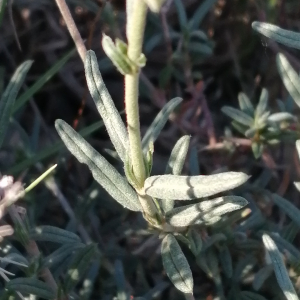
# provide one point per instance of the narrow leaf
(281, 117)
(245, 104)
(181, 14)
(53, 234)
(159, 122)
(238, 115)
(246, 295)
(41, 81)
(9, 96)
(289, 77)
(282, 36)
(105, 105)
(226, 261)
(31, 286)
(103, 172)
(175, 164)
(281, 273)
(205, 211)
(262, 103)
(176, 265)
(194, 162)
(176, 187)
(261, 276)
(79, 266)
(195, 241)
(290, 209)
(200, 13)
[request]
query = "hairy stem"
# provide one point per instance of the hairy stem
(66, 14)
(135, 42)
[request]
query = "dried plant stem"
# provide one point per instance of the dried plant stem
(66, 14)
(135, 41)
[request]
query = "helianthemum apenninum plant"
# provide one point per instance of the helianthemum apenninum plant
(157, 197)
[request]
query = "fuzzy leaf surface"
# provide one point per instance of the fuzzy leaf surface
(280, 270)
(282, 36)
(238, 116)
(289, 77)
(176, 187)
(103, 172)
(205, 211)
(176, 265)
(105, 105)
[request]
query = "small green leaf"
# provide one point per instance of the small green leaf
(238, 116)
(176, 265)
(245, 104)
(159, 122)
(194, 162)
(281, 273)
(289, 77)
(281, 117)
(257, 149)
(105, 105)
(176, 187)
(282, 36)
(9, 96)
(226, 261)
(195, 241)
(53, 234)
(175, 164)
(204, 212)
(261, 276)
(79, 265)
(103, 172)
(59, 255)
(181, 14)
(290, 209)
(262, 104)
(31, 286)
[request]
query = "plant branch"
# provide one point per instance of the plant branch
(66, 14)
(135, 42)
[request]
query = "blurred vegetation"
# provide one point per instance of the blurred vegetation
(211, 57)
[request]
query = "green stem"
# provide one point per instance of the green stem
(135, 42)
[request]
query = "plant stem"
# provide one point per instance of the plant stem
(135, 42)
(66, 14)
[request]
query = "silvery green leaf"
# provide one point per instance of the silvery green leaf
(247, 295)
(159, 122)
(261, 276)
(178, 156)
(239, 127)
(9, 96)
(290, 231)
(257, 149)
(262, 103)
(181, 14)
(176, 265)
(103, 172)
(203, 212)
(281, 117)
(226, 261)
(59, 255)
(79, 265)
(53, 234)
(155, 5)
(238, 115)
(245, 104)
(176, 187)
(282, 36)
(175, 164)
(105, 105)
(289, 77)
(195, 241)
(290, 209)
(297, 185)
(31, 286)
(280, 270)
(194, 162)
